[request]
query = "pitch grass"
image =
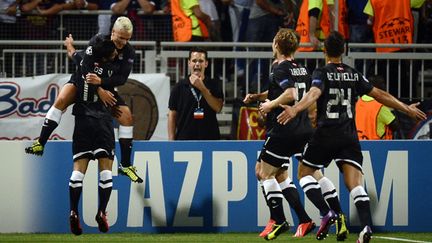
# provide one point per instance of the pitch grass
(205, 237)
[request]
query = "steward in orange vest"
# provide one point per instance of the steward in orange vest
(367, 119)
(392, 22)
(303, 24)
(182, 24)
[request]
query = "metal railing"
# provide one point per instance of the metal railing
(242, 67)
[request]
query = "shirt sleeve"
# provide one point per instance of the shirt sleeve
(385, 115)
(87, 61)
(318, 79)
(173, 99)
(368, 9)
(284, 78)
(77, 57)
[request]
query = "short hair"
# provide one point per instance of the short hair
(377, 81)
(199, 50)
(123, 23)
(103, 48)
(287, 41)
(334, 44)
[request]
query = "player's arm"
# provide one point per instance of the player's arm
(390, 101)
(286, 97)
(291, 111)
(120, 78)
(172, 116)
(249, 98)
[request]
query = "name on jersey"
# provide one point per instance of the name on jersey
(342, 76)
(298, 71)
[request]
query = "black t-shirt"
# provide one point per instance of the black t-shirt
(183, 101)
(341, 85)
(287, 75)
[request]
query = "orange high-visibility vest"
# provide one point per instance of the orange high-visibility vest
(303, 24)
(366, 121)
(343, 19)
(182, 24)
(393, 22)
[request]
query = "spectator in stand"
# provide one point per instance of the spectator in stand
(104, 20)
(209, 8)
(359, 30)
(81, 5)
(190, 23)
(425, 29)
(130, 8)
(342, 24)
(265, 18)
(9, 30)
(313, 24)
(8, 19)
(41, 23)
(374, 121)
(239, 11)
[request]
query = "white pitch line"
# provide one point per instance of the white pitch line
(400, 239)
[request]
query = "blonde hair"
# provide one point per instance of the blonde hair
(287, 40)
(123, 23)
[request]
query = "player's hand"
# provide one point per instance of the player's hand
(115, 111)
(106, 97)
(92, 78)
(249, 98)
(68, 41)
(285, 116)
(265, 107)
(415, 112)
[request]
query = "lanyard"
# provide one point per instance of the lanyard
(197, 97)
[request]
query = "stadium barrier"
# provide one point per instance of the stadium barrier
(202, 187)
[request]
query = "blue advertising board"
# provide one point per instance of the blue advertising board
(203, 186)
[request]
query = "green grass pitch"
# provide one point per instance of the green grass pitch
(205, 237)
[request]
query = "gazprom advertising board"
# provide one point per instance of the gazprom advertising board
(202, 187)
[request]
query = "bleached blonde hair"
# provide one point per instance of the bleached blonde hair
(123, 23)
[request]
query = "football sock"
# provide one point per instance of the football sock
(265, 198)
(291, 194)
(125, 140)
(361, 201)
(313, 191)
(52, 119)
(330, 195)
(105, 188)
(274, 198)
(75, 189)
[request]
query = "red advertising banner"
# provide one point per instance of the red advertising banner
(249, 125)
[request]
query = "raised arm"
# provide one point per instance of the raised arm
(389, 100)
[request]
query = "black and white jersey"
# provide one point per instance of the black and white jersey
(122, 65)
(287, 75)
(87, 100)
(341, 85)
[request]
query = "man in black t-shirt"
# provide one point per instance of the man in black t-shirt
(336, 87)
(194, 102)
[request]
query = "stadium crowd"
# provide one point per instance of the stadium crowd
(226, 20)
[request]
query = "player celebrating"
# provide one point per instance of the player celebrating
(336, 88)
